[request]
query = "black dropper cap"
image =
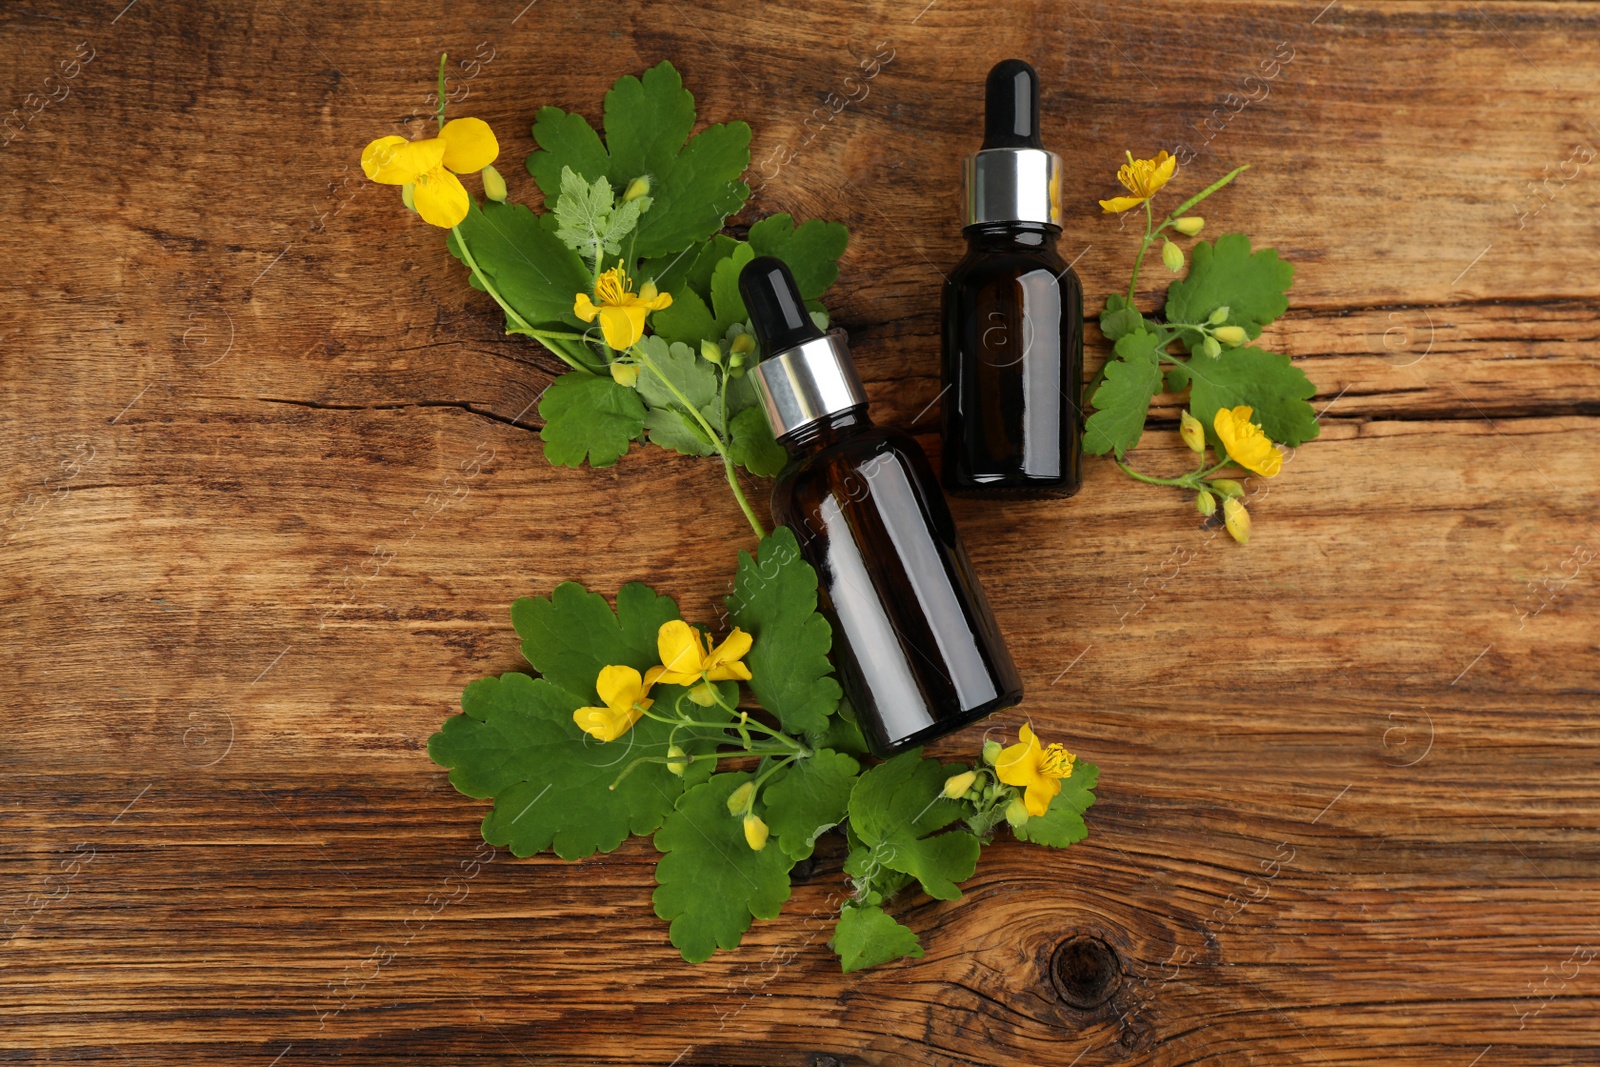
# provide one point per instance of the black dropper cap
(1011, 106)
(777, 311)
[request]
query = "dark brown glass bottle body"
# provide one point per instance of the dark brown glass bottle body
(1013, 365)
(916, 647)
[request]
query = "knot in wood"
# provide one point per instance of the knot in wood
(1086, 971)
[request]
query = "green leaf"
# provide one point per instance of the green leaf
(669, 429)
(719, 248)
(693, 186)
(532, 269)
(550, 781)
(586, 415)
(812, 796)
(1120, 318)
(867, 936)
(1250, 285)
(568, 141)
(775, 602)
(893, 809)
(753, 447)
(1123, 399)
(725, 297)
(1275, 389)
(811, 250)
(686, 319)
(1062, 823)
(573, 633)
(678, 364)
(842, 734)
(590, 222)
(709, 882)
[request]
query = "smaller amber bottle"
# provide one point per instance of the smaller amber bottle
(916, 648)
(1013, 313)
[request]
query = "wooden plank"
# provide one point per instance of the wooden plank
(274, 481)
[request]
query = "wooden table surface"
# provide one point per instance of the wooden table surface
(232, 368)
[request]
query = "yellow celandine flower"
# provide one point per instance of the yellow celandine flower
(621, 311)
(1143, 178)
(1038, 770)
(1245, 443)
(626, 697)
(464, 146)
(686, 661)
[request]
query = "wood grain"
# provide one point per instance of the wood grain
(1350, 810)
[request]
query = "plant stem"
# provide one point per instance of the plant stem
(1207, 191)
(716, 440)
(442, 57)
(1144, 246)
(522, 323)
(1192, 480)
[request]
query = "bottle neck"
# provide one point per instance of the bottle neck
(822, 432)
(1008, 236)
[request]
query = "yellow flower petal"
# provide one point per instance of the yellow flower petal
(1122, 203)
(584, 308)
(623, 326)
(1039, 794)
(1016, 763)
(605, 724)
(470, 145)
(397, 161)
(441, 199)
(621, 687)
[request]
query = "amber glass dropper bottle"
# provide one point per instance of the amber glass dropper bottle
(1013, 313)
(916, 648)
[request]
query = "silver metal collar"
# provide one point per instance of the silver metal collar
(1013, 185)
(808, 382)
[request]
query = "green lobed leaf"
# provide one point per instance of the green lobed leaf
(588, 416)
(843, 733)
(573, 633)
(647, 121)
(725, 298)
(696, 193)
(532, 268)
(1062, 823)
(678, 364)
(669, 429)
(1275, 389)
(551, 782)
(1120, 318)
(686, 319)
(753, 446)
(774, 600)
(867, 936)
(710, 883)
(565, 140)
(812, 796)
(1123, 399)
(1251, 285)
(811, 250)
(589, 220)
(896, 805)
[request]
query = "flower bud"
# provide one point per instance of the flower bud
(1219, 316)
(1206, 504)
(494, 186)
(744, 344)
(407, 196)
(711, 350)
(957, 784)
(638, 187)
(1231, 335)
(1226, 486)
(704, 694)
(755, 832)
(1193, 434)
(736, 363)
(1189, 225)
(739, 798)
(1210, 347)
(991, 790)
(625, 374)
(991, 752)
(1237, 519)
(1016, 812)
(1172, 256)
(675, 759)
